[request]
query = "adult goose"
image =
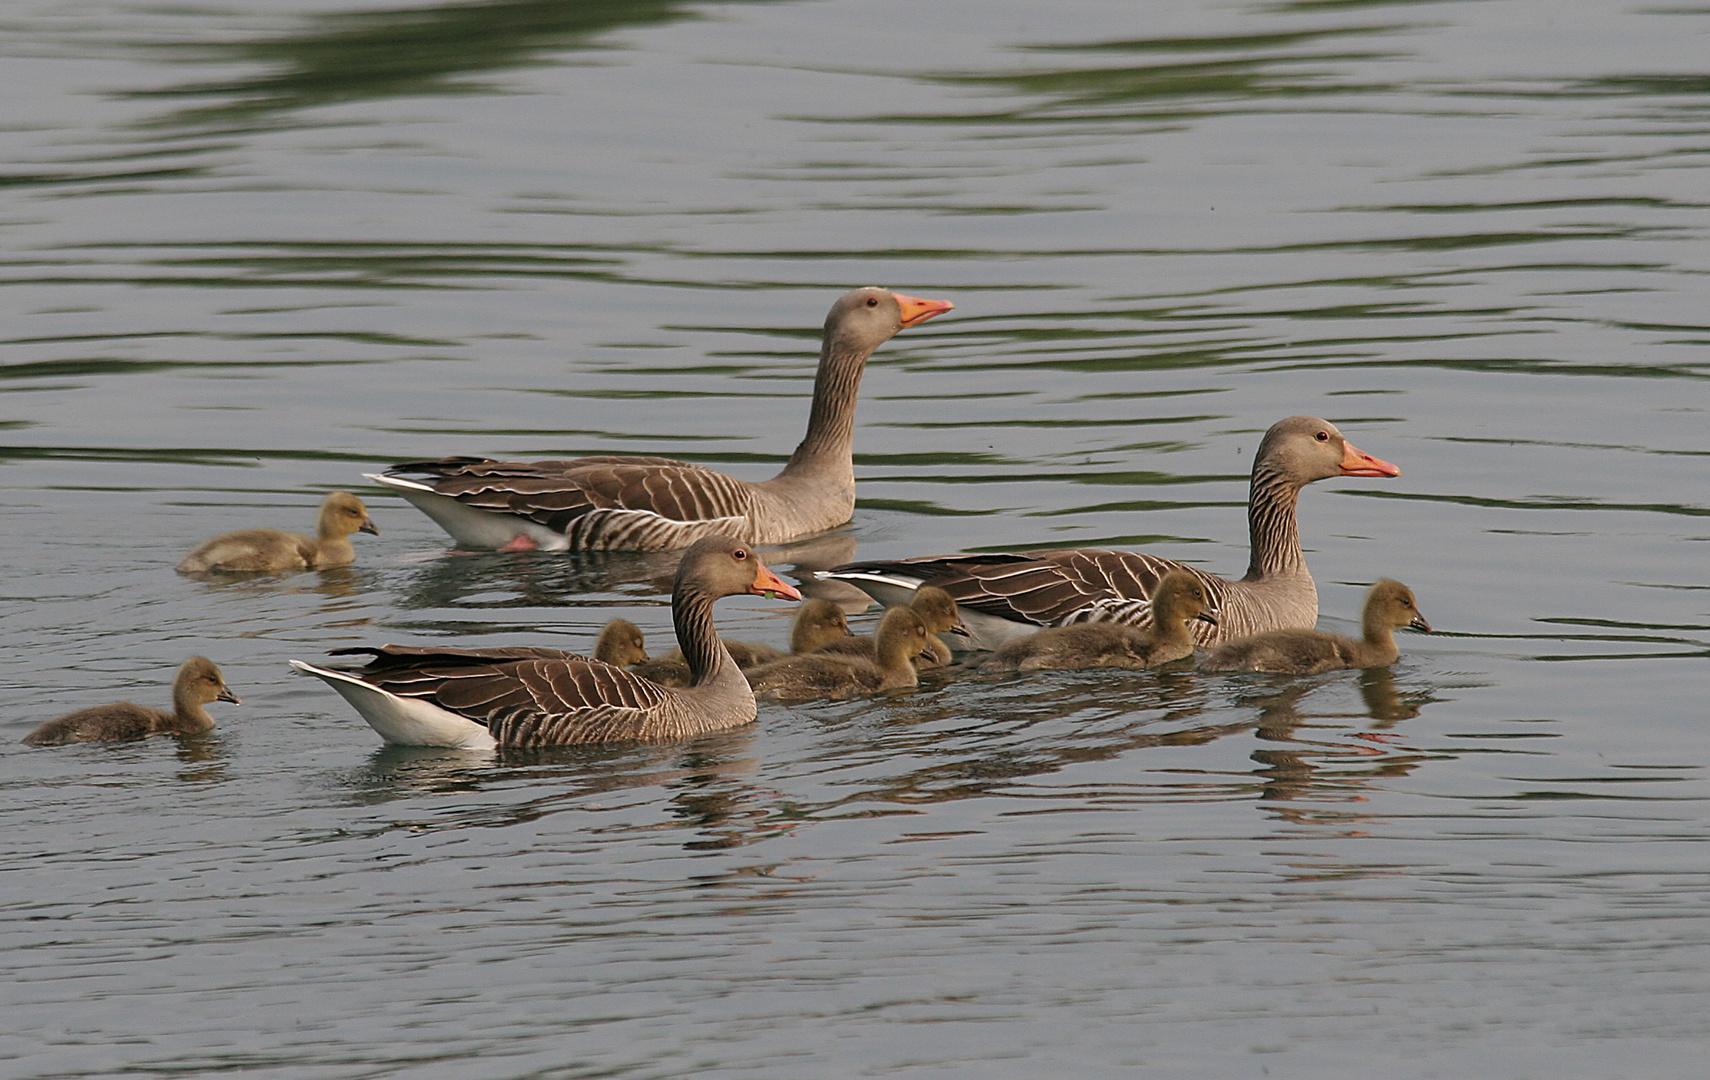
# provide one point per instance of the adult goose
(1389, 607)
(198, 682)
(1004, 597)
(622, 503)
(271, 550)
(523, 697)
(902, 637)
(1178, 601)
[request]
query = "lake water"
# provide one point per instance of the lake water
(253, 249)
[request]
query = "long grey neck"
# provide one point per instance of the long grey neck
(1273, 531)
(691, 613)
(826, 450)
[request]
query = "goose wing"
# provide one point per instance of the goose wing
(523, 696)
(1044, 588)
(593, 494)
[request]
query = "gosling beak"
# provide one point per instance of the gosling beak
(1356, 462)
(960, 629)
(1419, 623)
(916, 311)
(1206, 617)
(767, 583)
(227, 695)
(367, 526)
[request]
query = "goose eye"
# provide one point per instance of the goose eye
(872, 301)
(739, 554)
(1322, 436)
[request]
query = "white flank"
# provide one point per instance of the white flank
(403, 721)
(468, 525)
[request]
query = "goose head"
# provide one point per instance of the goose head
(342, 514)
(935, 606)
(1391, 605)
(725, 566)
(902, 636)
(1180, 596)
(863, 319)
(199, 681)
(1305, 448)
(819, 622)
(620, 644)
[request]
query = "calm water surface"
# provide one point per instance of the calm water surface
(253, 249)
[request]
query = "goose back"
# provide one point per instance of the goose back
(615, 502)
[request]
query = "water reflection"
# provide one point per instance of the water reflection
(1333, 767)
(492, 581)
(392, 52)
(707, 784)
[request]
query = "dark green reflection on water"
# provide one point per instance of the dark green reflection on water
(362, 55)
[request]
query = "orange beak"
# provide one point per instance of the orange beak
(767, 583)
(916, 311)
(1356, 462)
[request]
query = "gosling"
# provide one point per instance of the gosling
(197, 683)
(902, 637)
(1178, 601)
(935, 608)
(272, 550)
(1389, 607)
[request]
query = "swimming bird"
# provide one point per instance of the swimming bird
(1177, 602)
(1003, 597)
(934, 607)
(1389, 607)
(197, 683)
(261, 550)
(902, 636)
(526, 697)
(618, 502)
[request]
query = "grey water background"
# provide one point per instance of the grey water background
(254, 249)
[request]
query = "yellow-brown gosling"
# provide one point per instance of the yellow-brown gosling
(271, 550)
(198, 682)
(902, 637)
(1389, 607)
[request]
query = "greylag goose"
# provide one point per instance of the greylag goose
(935, 609)
(1389, 607)
(197, 683)
(1003, 597)
(481, 698)
(1178, 600)
(902, 636)
(262, 550)
(622, 503)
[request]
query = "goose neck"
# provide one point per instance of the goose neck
(188, 714)
(827, 448)
(1274, 530)
(691, 613)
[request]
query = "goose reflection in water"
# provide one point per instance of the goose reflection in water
(1331, 768)
(569, 579)
(706, 781)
